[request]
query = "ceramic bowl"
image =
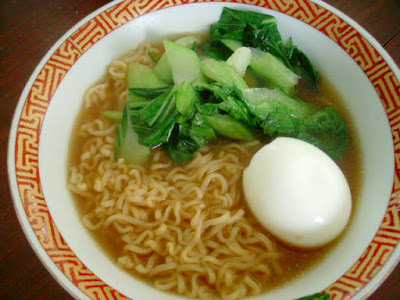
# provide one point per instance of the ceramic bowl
(354, 62)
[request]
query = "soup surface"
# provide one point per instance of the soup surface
(184, 229)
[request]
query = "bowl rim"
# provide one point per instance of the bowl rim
(63, 280)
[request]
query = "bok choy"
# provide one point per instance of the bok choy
(197, 93)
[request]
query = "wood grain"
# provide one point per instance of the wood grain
(380, 18)
(27, 30)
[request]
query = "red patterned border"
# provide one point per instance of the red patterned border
(51, 75)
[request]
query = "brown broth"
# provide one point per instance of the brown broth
(296, 261)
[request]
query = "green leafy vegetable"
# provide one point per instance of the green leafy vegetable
(232, 23)
(208, 109)
(217, 50)
(230, 100)
(172, 106)
(266, 37)
(189, 41)
(116, 115)
(138, 104)
(272, 69)
(327, 130)
(261, 31)
(160, 108)
(160, 115)
(201, 132)
(158, 122)
(141, 76)
(127, 144)
(135, 98)
(263, 101)
(149, 93)
(188, 137)
(184, 62)
(186, 98)
(221, 72)
(230, 127)
(281, 115)
(112, 115)
(179, 156)
(140, 127)
(268, 67)
(240, 60)
(232, 44)
(182, 146)
(318, 296)
(163, 69)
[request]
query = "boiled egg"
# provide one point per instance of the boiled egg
(298, 193)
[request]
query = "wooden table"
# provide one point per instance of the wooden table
(27, 30)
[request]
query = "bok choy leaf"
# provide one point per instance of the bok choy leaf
(318, 296)
(127, 144)
(159, 115)
(260, 31)
(149, 93)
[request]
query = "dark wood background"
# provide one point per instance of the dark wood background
(28, 28)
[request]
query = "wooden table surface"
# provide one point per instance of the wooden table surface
(27, 30)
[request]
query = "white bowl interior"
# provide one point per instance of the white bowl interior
(362, 101)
